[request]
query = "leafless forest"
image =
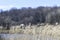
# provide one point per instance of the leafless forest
(41, 23)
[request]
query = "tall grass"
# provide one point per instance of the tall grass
(40, 33)
(50, 30)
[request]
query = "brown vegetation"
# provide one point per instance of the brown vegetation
(50, 30)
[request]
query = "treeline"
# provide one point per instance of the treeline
(28, 15)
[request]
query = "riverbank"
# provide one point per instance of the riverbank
(26, 37)
(49, 30)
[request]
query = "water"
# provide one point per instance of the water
(26, 37)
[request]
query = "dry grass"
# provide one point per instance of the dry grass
(50, 30)
(41, 32)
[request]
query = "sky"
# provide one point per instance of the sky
(8, 4)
